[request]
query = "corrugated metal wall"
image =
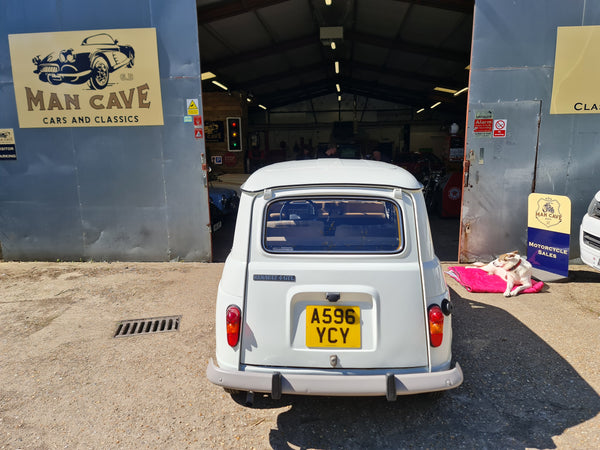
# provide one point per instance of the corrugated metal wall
(512, 64)
(107, 193)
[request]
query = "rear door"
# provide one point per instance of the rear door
(331, 284)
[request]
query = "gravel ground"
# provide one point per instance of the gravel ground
(531, 364)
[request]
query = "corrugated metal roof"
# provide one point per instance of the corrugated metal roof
(393, 50)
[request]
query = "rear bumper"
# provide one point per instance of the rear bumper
(389, 384)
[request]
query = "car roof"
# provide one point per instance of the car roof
(330, 171)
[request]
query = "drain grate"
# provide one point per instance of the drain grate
(136, 327)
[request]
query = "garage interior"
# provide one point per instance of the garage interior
(364, 75)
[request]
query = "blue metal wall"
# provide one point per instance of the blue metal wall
(514, 44)
(107, 193)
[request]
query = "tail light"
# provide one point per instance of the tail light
(436, 325)
(233, 318)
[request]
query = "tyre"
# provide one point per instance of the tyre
(99, 77)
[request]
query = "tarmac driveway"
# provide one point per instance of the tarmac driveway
(531, 365)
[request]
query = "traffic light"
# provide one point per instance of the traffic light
(234, 134)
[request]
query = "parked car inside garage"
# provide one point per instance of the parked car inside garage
(225, 199)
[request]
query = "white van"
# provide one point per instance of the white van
(589, 234)
(332, 286)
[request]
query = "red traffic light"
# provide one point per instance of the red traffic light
(234, 135)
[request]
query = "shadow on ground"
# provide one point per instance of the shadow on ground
(518, 393)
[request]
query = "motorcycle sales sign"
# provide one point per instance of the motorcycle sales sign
(98, 78)
(549, 232)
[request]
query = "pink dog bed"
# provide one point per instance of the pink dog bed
(477, 280)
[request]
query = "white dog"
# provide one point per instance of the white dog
(513, 268)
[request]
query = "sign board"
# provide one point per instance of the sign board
(93, 78)
(215, 130)
(7, 144)
(230, 160)
(549, 232)
(192, 107)
(500, 128)
(575, 88)
(483, 124)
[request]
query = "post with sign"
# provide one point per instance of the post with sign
(548, 235)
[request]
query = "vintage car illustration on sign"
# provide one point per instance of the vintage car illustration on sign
(93, 61)
(332, 286)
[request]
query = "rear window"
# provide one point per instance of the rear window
(333, 225)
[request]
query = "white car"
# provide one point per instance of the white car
(332, 286)
(589, 234)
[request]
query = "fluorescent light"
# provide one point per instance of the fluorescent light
(328, 2)
(337, 86)
(332, 45)
(420, 111)
(208, 76)
(443, 89)
(339, 98)
(435, 105)
(222, 86)
(465, 89)
(337, 67)
(262, 106)
(248, 99)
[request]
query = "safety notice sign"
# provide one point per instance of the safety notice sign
(192, 107)
(7, 144)
(483, 124)
(500, 128)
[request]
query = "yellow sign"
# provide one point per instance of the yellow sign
(192, 107)
(94, 78)
(575, 89)
(550, 212)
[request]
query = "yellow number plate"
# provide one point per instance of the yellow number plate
(333, 326)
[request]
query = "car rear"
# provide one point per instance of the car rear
(340, 296)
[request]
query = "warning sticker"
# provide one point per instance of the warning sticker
(500, 128)
(192, 107)
(483, 124)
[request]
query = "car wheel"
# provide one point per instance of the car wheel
(99, 78)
